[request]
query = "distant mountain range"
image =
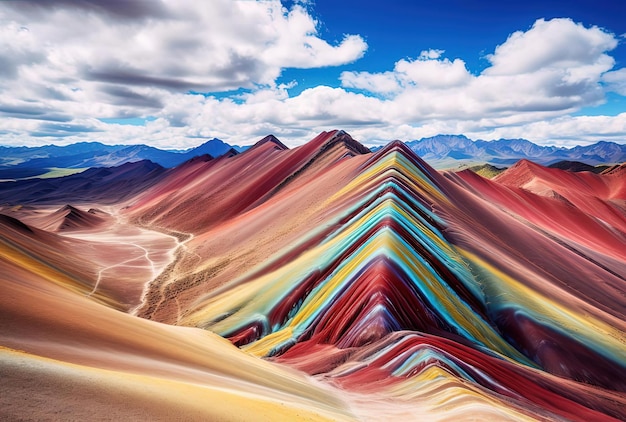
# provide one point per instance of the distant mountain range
(101, 184)
(24, 162)
(454, 150)
(441, 151)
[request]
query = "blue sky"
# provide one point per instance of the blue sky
(469, 29)
(465, 29)
(168, 73)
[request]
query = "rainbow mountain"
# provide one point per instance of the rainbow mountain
(323, 282)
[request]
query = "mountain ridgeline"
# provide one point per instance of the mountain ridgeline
(441, 151)
(24, 162)
(451, 150)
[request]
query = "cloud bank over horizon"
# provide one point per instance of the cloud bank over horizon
(166, 74)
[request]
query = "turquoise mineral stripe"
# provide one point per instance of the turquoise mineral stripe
(386, 206)
(404, 365)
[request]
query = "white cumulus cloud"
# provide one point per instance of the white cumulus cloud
(118, 58)
(616, 81)
(66, 65)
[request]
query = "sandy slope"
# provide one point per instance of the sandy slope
(86, 358)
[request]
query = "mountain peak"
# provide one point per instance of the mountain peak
(214, 141)
(15, 224)
(273, 140)
(350, 143)
(70, 218)
(68, 208)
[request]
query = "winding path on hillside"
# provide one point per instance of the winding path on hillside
(132, 257)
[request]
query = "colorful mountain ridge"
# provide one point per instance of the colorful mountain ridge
(350, 285)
